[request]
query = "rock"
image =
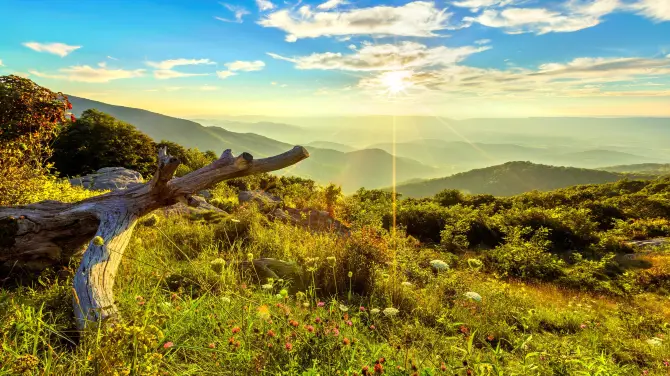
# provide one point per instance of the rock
(260, 270)
(266, 202)
(473, 296)
(649, 243)
(311, 219)
(207, 195)
(109, 178)
(196, 205)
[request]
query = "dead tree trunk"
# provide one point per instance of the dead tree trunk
(50, 233)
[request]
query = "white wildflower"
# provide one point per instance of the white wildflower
(439, 265)
(374, 311)
(655, 341)
(225, 299)
(473, 295)
(389, 312)
(343, 308)
(407, 284)
(267, 286)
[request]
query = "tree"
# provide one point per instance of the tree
(30, 118)
(99, 140)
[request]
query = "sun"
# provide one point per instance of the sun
(396, 82)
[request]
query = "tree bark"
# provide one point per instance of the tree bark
(50, 233)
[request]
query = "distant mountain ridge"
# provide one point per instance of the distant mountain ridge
(513, 178)
(351, 170)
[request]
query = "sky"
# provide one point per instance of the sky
(451, 58)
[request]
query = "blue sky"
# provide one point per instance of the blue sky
(460, 58)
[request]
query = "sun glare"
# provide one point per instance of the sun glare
(396, 82)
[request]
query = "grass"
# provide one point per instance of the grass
(181, 317)
(369, 303)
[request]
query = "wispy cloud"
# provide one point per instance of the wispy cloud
(331, 4)
(165, 74)
(482, 41)
(415, 19)
(238, 11)
(658, 10)
(385, 57)
(169, 64)
(246, 66)
(1, 64)
(60, 49)
(85, 73)
(112, 58)
(240, 66)
(264, 5)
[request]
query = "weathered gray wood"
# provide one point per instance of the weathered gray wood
(36, 236)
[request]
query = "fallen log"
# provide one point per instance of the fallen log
(50, 233)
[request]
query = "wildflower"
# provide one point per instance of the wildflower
(336, 332)
(350, 274)
(283, 293)
(69, 105)
(317, 320)
(350, 323)
(167, 345)
(464, 329)
(473, 296)
(645, 372)
(439, 265)
(288, 346)
(98, 241)
(236, 330)
(655, 341)
(343, 308)
(72, 118)
(474, 263)
(443, 367)
(374, 311)
(309, 328)
(231, 341)
(320, 304)
(389, 312)
(361, 308)
(266, 286)
(666, 363)
(225, 299)
(379, 368)
(211, 345)
(331, 260)
(271, 333)
(243, 286)
(365, 370)
(346, 341)
(293, 323)
(250, 256)
(583, 326)
(372, 327)
(305, 304)
(490, 338)
(407, 284)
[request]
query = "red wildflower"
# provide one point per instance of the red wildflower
(381, 360)
(288, 346)
(231, 340)
(443, 367)
(490, 338)
(463, 329)
(294, 323)
(350, 323)
(365, 369)
(336, 332)
(583, 326)
(372, 327)
(379, 368)
(317, 320)
(167, 345)
(346, 341)
(211, 345)
(69, 105)
(362, 309)
(309, 328)
(236, 330)
(271, 333)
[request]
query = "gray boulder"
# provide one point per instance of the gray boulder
(109, 178)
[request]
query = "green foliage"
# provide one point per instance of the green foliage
(98, 140)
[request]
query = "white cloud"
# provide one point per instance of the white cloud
(245, 66)
(385, 57)
(165, 74)
(102, 64)
(415, 19)
(169, 64)
(571, 16)
(112, 58)
(482, 41)
(475, 5)
(658, 10)
(225, 74)
(85, 73)
(1, 64)
(264, 5)
(238, 12)
(331, 4)
(59, 49)
(579, 77)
